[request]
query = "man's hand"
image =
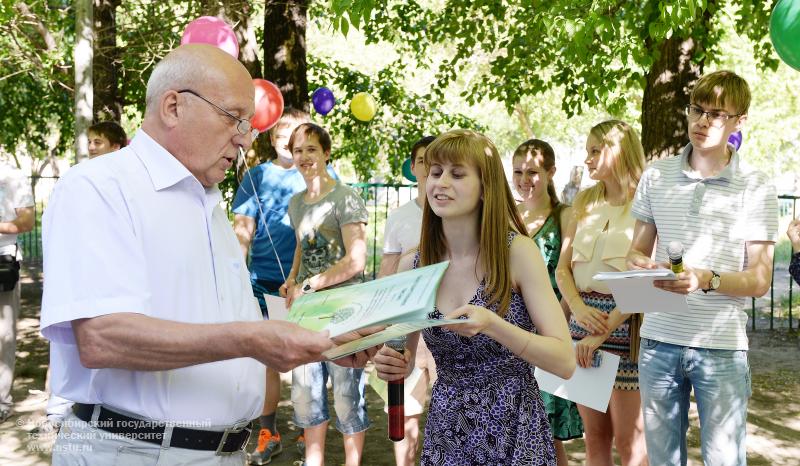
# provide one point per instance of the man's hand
(686, 282)
(284, 345)
(361, 358)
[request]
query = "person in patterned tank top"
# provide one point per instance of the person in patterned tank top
(485, 405)
(596, 239)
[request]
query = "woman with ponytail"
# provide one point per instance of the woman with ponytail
(544, 216)
(596, 239)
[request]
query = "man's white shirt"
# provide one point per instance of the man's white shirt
(403, 228)
(134, 231)
(15, 193)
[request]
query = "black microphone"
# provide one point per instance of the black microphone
(397, 430)
(675, 253)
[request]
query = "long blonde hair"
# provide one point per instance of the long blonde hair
(498, 213)
(628, 154)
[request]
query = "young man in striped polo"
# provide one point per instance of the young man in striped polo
(725, 215)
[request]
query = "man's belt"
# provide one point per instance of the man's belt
(228, 441)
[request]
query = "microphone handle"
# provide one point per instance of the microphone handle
(397, 430)
(676, 265)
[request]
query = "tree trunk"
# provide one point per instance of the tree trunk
(285, 50)
(83, 77)
(108, 102)
(524, 122)
(669, 81)
(238, 14)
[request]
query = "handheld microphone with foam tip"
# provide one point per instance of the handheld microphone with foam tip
(675, 253)
(397, 431)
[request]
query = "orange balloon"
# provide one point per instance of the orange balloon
(269, 105)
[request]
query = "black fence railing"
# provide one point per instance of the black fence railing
(787, 203)
(380, 199)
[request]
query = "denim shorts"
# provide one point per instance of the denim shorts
(310, 396)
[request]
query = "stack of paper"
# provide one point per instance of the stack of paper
(634, 292)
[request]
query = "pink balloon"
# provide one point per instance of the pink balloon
(211, 30)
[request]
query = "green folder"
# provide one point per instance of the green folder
(405, 298)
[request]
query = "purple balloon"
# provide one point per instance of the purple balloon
(736, 139)
(323, 100)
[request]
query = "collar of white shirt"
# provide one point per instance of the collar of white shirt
(164, 169)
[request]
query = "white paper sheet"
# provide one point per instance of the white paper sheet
(590, 387)
(276, 307)
(634, 292)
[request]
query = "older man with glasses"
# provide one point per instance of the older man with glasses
(154, 330)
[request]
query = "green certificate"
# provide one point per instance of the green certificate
(405, 297)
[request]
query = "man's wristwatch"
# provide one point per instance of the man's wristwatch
(307, 288)
(713, 284)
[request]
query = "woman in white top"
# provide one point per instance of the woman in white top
(596, 239)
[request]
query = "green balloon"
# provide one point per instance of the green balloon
(784, 30)
(407, 171)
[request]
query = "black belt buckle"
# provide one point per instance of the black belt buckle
(235, 429)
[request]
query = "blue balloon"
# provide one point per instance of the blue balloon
(736, 139)
(323, 100)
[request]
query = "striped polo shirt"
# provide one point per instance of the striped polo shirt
(713, 218)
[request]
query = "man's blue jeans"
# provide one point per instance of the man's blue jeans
(721, 382)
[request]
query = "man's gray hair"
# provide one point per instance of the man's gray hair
(175, 72)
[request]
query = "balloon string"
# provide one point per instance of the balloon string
(243, 161)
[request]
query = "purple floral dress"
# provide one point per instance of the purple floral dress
(485, 406)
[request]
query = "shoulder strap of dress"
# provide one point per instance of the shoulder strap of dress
(510, 237)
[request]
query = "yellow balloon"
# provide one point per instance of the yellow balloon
(363, 106)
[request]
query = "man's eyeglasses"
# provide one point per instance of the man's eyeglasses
(242, 126)
(714, 117)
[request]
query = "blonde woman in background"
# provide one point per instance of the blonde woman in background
(597, 239)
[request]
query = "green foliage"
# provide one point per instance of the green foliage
(381, 145)
(146, 31)
(36, 65)
(36, 76)
(594, 49)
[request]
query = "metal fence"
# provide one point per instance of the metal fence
(787, 204)
(380, 199)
